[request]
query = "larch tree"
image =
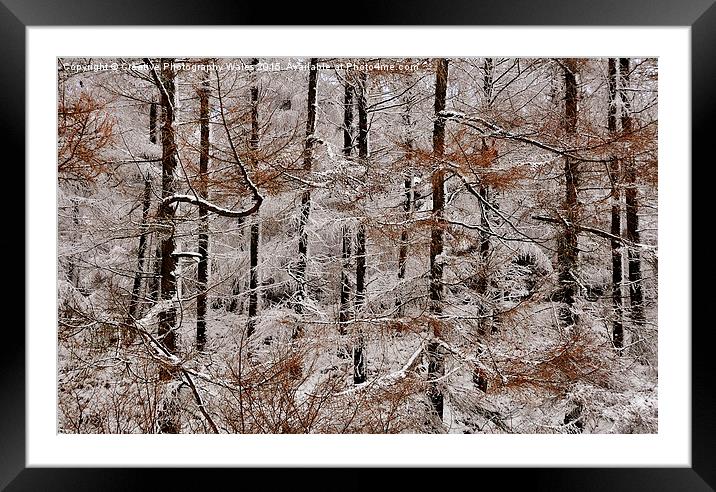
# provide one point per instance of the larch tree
(567, 249)
(203, 191)
(305, 210)
(346, 239)
(168, 263)
(436, 363)
(616, 212)
(408, 190)
(636, 294)
(256, 219)
(359, 365)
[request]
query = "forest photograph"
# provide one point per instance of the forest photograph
(357, 245)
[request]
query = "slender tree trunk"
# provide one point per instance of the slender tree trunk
(167, 419)
(255, 222)
(636, 295)
(404, 238)
(484, 192)
(203, 189)
(343, 313)
(153, 121)
(167, 318)
(359, 365)
(568, 246)
(141, 254)
(616, 226)
(407, 202)
(301, 293)
(567, 251)
(153, 280)
(436, 365)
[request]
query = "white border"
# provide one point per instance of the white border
(670, 447)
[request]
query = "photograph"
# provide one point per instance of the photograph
(357, 245)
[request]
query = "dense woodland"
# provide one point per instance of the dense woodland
(332, 245)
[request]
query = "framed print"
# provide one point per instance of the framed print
(458, 238)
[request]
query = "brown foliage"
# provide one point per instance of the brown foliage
(579, 358)
(84, 131)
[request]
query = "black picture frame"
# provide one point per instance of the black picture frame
(16, 15)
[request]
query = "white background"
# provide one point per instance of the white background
(670, 447)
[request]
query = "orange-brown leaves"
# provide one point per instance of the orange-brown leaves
(578, 359)
(85, 130)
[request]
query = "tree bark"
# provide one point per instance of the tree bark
(255, 222)
(309, 143)
(616, 225)
(343, 313)
(567, 251)
(166, 331)
(203, 189)
(167, 318)
(153, 121)
(436, 365)
(359, 365)
(636, 295)
(408, 200)
(484, 192)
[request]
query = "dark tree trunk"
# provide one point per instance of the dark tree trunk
(203, 189)
(484, 192)
(255, 223)
(153, 280)
(153, 122)
(404, 237)
(567, 251)
(343, 313)
(359, 365)
(166, 332)
(407, 203)
(141, 254)
(616, 225)
(167, 318)
(309, 143)
(636, 295)
(436, 366)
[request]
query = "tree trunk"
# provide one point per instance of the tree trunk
(484, 192)
(636, 296)
(167, 418)
(343, 313)
(141, 254)
(203, 189)
(153, 121)
(301, 293)
(407, 202)
(404, 238)
(167, 318)
(436, 366)
(359, 366)
(567, 251)
(616, 225)
(255, 222)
